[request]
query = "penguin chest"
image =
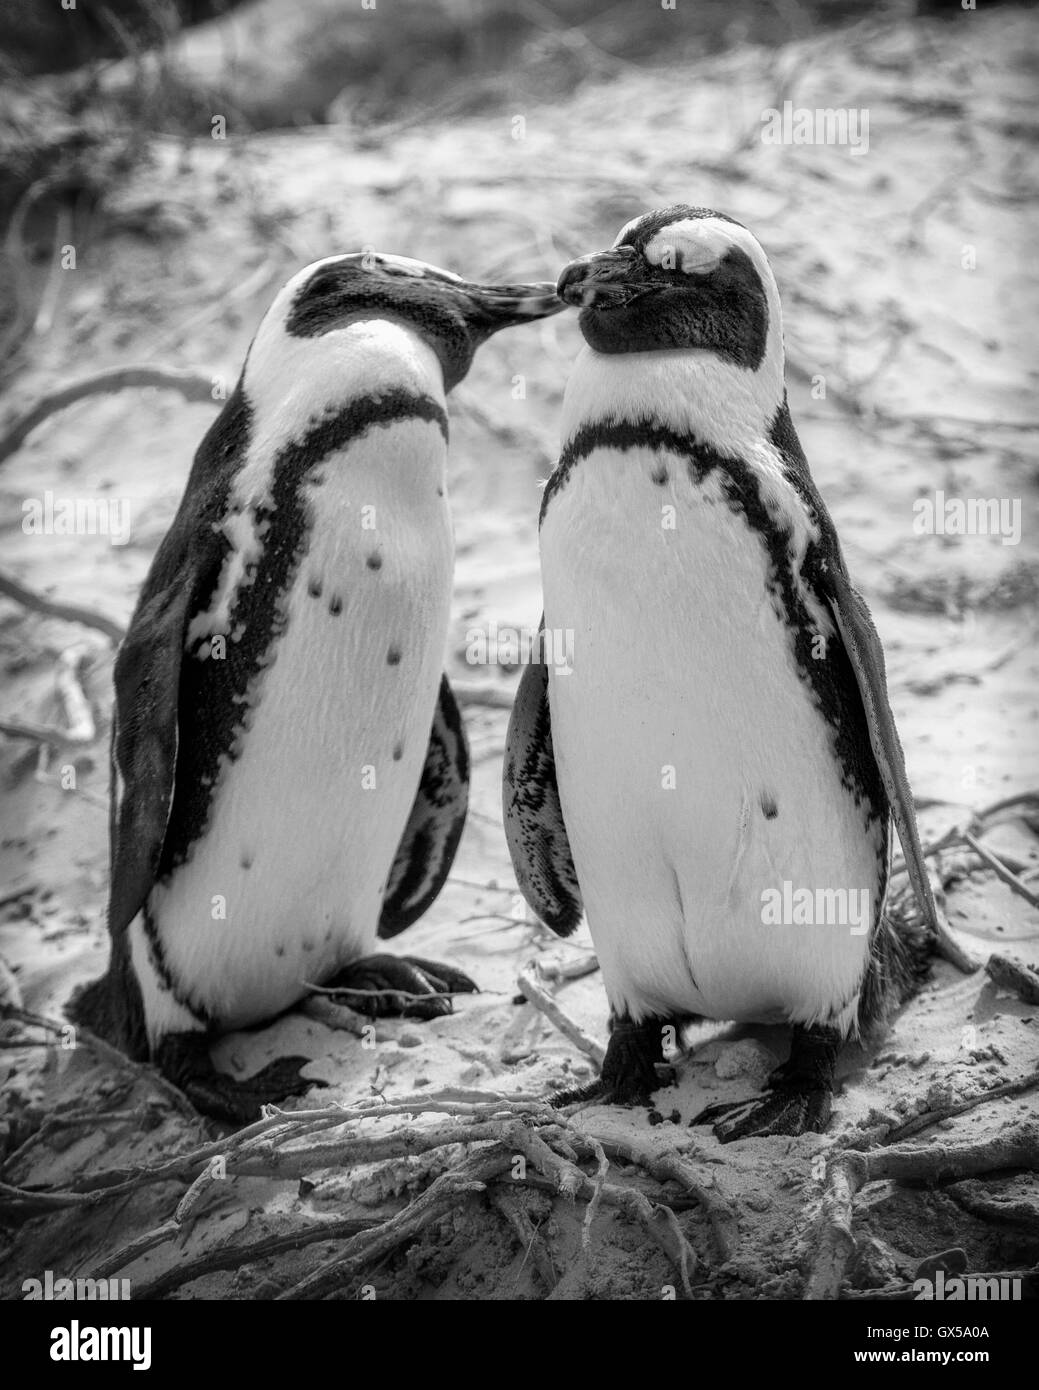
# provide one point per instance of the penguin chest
(296, 835)
(697, 774)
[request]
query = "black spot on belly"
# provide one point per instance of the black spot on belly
(440, 492)
(246, 861)
(393, 656)
(314, 588)
(398, 752)
(307, 944)
(374, 562)
(335, 605)
(660, 475)
(769, 806)
(279, 950)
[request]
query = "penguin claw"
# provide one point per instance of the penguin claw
(241, 1102)
(184, 1059)
(388, 986)
(789, 1110)
(448, 978)
(632, 1069)
(619, 1092)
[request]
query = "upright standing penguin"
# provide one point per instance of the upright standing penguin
(721, 740)
(289, 770)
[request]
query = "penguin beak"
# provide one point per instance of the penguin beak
(503, 306)
(604, 280)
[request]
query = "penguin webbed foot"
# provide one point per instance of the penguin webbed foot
(632, 1069)
(389, 986)
(184, 1059)
(789, 1111)
(799, 1099)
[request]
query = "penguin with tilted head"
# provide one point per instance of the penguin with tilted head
(289, 769)
(720, 743)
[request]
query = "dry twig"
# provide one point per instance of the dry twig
(1014, 975)
(932, 1117)
(1001, 870)
(544, 1002)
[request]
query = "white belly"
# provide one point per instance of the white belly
(287, 884)
(683, 714)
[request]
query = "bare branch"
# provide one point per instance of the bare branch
(543, 1001)
(67, 612)
(1014, 975)
(193, 386)
(1000, 870)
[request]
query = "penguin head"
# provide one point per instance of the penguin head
(681, 277)
(454, 316)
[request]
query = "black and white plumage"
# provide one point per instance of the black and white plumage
(290, 772)
(725, 727)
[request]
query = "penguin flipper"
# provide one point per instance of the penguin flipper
(144, 748)
(185, 570)
(862, 643)
(184, 1059)
(143, 758)
(427, 847)
(534, 827)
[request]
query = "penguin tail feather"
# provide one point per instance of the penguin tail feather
(101, 1006)
(91, 1007)
(901, 955)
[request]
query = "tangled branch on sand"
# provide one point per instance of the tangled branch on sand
(509, 1144)
(119, 1060)
(1015, 1147)
(554, 1151)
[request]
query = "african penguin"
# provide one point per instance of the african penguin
(289, 769)
(722, 738)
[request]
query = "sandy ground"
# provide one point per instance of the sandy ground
(930, 377)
